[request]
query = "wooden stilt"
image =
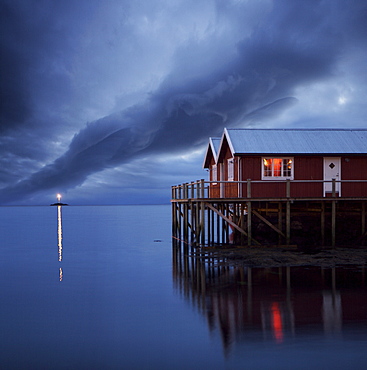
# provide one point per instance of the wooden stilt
(242, 221)
(249, 214)
(363, 218)
(195, 221)
(280, 221)
(333, 222)
(185, 214)
(218, 227)
(202, 223)
(192, 220)
(333, 213)
(288, 222)
(288, 213)
(322, 223)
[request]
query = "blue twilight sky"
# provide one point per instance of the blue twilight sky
(113, 101)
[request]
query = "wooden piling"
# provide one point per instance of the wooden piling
(199, 220)
(249, 214)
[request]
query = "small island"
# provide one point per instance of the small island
(58, 203)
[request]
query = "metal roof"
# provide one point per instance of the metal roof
(297, 141)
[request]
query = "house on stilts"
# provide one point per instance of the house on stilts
(277, 187)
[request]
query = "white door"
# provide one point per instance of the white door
(332, 171)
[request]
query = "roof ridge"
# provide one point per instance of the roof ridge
(298, 129)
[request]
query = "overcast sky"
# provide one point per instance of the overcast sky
(113, 101)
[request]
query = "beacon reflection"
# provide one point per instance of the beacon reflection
(59, 232)
(59, 238)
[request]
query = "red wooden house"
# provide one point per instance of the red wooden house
(309, 158)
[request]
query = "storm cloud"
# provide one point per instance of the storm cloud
(155, 80)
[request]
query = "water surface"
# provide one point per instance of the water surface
(109, 293)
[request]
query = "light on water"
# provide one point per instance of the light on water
(102, 288)
(59, 231)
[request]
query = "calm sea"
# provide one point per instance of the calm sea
(100, 288)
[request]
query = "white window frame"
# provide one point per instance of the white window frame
(272, 176)
(230, 169)
(214, 174)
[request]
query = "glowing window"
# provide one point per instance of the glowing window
(277, 168)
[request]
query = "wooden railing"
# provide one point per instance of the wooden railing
(252, 189)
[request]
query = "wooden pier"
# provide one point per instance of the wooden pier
(201, 218)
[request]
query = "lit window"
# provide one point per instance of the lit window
(277, 168)
(230, 169)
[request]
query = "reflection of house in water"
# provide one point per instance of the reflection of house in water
(276, 304)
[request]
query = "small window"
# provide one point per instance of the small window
(277, 168)
(214, 173)
(230, 169)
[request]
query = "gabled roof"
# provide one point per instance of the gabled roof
(296, 141)
(211, 150)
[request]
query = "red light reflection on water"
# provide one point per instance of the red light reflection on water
(277, 322)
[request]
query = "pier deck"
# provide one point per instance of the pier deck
(200, 219)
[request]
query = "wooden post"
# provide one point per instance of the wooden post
(363, 226)
(186, 223)
(218, 226)
(333, 214)
(333, 223)
(185, 213)
(197, 189)
(202, 188)
(213, 227)
(242, 210)
(179, 223)
(322, 223)
(193, 221)
(288, 222)
(224, 225)
(249, 211)
(288, 188)
(174, 212)
(288, 213)
(209, 222)
(202, 216)
(280, 221)
(202, 223)
(197, 221)
(179, 192)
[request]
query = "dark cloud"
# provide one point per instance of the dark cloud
(295, 44)
(37, 39)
